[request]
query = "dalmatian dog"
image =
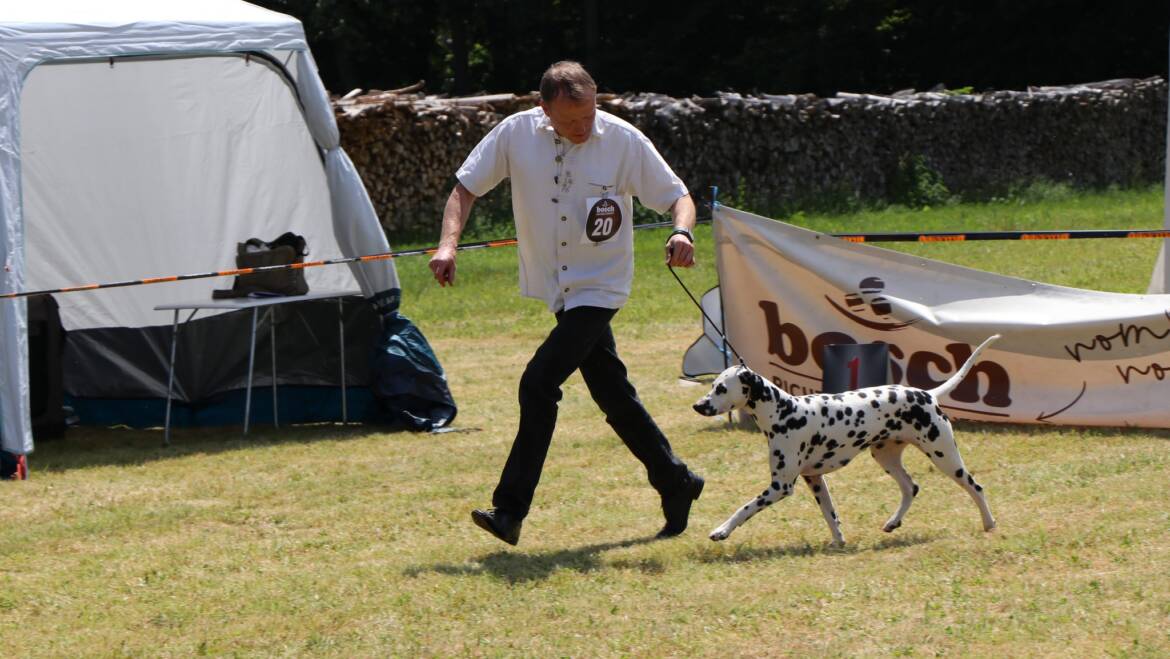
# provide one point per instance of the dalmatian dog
(810, 436)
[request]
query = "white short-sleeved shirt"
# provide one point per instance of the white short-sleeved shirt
(565, 260)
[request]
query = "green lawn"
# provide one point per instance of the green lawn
(346, 541)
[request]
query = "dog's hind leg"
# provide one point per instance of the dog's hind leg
(944, 453)
(888, 454)
(777, 491)
(820, 491)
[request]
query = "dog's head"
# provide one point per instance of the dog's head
(734, 388)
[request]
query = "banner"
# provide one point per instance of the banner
(1067, 356)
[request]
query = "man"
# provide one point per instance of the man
(574, 172)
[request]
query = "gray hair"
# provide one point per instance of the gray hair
(566, 78)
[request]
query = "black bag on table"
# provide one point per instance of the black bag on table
(287, 249)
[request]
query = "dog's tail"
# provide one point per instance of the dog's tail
(945, 388)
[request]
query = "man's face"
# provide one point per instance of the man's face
(573, 120)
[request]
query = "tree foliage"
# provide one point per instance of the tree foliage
(684, 48)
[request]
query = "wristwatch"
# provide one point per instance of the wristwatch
(683, 231)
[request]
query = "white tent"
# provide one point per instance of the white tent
(142, 138)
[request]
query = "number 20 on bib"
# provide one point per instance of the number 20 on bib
(604, 219)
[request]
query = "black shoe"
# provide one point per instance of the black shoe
(676, 506)
(499, 523)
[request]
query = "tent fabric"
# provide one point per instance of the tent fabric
(126, 158)
(173, 50)
(355, 221)
(407, 380)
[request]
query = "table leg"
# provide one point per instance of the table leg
(341, 332)
(272, 333)
(171, 379)
(251, 365)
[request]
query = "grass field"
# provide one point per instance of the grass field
(346, 541)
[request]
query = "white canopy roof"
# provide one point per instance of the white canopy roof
(87, 12)
(56, 29)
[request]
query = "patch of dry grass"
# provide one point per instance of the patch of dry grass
(344, 541)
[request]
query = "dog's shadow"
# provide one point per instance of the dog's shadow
(742, 554)
(519, 567)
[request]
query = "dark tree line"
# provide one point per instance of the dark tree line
(699, 47)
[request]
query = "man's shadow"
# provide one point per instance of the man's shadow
(518, 567)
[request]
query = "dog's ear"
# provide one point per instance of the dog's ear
(756, 389)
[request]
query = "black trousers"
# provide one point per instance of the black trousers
(582, 339)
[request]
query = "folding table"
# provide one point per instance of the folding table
(268, 304)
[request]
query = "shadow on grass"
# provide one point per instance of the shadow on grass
(83, 448)
(742, 554)
(518, 567)
(726, 428)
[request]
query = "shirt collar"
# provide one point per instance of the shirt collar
(543, 123)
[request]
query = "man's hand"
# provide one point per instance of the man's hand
(443, 266)
(680, 253)
(455, 215)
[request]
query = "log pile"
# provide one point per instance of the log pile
(407, 148)
(772, 151)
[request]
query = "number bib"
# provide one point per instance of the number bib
(603, 219)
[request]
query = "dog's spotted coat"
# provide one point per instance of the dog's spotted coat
(809, 436)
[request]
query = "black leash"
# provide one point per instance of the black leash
(704, 312)
(718, 328)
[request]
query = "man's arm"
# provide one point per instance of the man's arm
(680, 251)
(455, 215)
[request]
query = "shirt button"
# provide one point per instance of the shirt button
(563, 244)
(564, 267)
(559, 158)
(556, 201)
(563, 218)
(566, 290)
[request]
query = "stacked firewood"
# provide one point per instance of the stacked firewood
(779, 151)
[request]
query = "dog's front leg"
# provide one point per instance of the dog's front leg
(820, 490)
(777, 491)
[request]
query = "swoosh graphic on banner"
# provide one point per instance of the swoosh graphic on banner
(881, 327)
(788, 370)
(1045, 417)
(974, 411)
